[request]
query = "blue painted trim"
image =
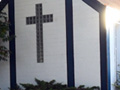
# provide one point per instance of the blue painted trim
(108, 58)
(95, 5)
(3, 3)
(104, 50)
(12, 45)
(70, 46)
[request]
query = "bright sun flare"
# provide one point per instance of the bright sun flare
(112, 16)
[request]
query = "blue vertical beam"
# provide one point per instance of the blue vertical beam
(108, 58)
(12, 45)
(70, 46)
(103, 52)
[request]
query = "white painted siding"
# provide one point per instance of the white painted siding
(4, 67)
(54, 66)
(117, 46)
(87, 46)
(113, 55)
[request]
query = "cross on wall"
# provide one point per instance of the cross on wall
(39, 19)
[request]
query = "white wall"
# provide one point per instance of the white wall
(4, 67)
(86, 46)
(54, 66)
(112, 56)
(118, 45)
(115, 51)
(86, 40)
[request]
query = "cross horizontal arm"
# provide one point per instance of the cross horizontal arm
(30, 20)
(47, 18)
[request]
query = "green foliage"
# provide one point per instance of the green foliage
(4, 36)
(43, 85)
(4, 27)
(117, 85)
(52, 85)
(82, 87)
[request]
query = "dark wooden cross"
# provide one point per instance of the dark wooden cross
(39, 19)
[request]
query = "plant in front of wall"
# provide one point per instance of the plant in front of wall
(82, 87)
(4, 28)
(52, 85)
(4, 36)
(43, 85)
(117, 83)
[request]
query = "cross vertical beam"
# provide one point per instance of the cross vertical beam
(39, 32)
(39, 19)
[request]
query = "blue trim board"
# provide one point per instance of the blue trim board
(70, 46)
(104, 50)
(95, 5)
(103, 53)
(3, 3)
(12, 45)
(108, 57)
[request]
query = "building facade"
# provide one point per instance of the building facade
(63, 40)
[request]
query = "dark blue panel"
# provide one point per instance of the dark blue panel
(12, 46)
(3, 3)
(69, 38)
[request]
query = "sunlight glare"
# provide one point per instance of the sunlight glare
(112, 16)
